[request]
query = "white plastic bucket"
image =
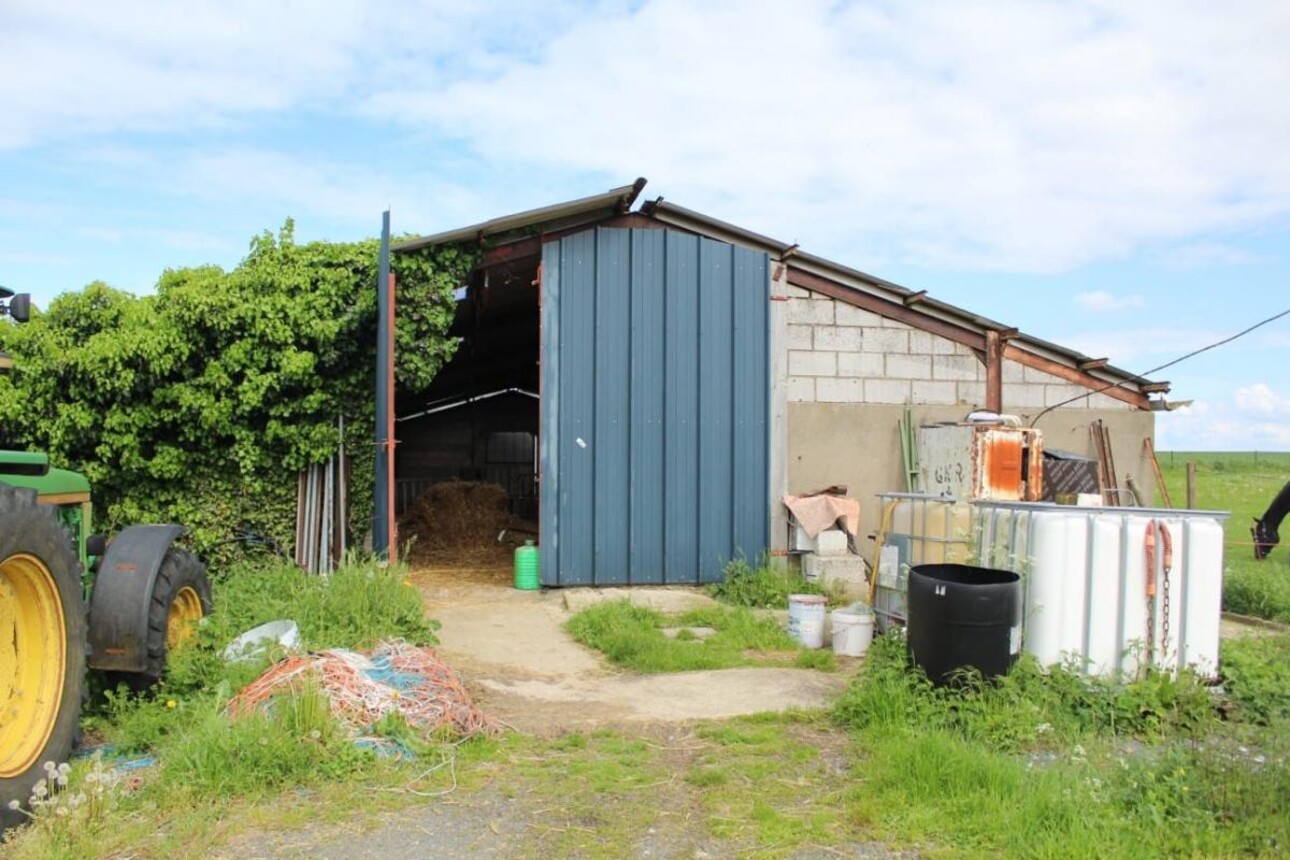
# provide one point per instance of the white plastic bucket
(254, 642)
(852, 631)
(806, 619)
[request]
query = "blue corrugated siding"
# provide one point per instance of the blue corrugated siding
(646, 500)
(655, 391)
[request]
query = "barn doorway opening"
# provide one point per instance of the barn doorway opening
(466, 466)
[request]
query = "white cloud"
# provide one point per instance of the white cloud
(1101, 301)
(1001, 135)
(1254, 418)
(997, 135)
(81, 66)
(1259, 399)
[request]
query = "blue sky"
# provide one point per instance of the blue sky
(1111, 176)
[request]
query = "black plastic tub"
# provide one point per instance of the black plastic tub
(961, 617)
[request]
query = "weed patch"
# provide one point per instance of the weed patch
(764, 585)
(1256, 673)
(1027, 707)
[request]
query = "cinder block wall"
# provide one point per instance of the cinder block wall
(838, 353)
(850, 374)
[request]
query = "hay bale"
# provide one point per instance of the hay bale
(459, 514)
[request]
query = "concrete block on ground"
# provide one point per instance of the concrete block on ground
(842, 575)
(800, 540)
(832, 542)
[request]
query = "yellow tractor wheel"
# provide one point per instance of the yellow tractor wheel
(181, 598)
(42, 646)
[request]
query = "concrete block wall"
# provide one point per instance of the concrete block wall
(838, 353)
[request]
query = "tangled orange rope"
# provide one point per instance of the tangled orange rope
(362, 689)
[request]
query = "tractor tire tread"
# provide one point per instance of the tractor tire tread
(179, 568)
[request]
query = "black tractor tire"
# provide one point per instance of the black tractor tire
(34, 550)
(180, 572)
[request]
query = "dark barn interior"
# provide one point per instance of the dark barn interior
(478, 421)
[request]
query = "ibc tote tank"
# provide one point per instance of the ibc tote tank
(1084, 584)
(916, 528)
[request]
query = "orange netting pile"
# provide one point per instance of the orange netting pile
(362, 688)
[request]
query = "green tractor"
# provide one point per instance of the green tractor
(71, 600)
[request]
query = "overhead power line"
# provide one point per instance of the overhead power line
(1168, 364)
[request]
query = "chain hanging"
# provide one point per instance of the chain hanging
(1164, 622)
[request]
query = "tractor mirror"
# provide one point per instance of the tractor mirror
(20, 307)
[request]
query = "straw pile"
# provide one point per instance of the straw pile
(458, 515)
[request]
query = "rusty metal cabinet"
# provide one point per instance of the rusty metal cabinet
(982, 461)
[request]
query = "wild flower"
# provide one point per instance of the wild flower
(62, 798)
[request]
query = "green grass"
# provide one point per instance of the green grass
(1243, 483)
(1057, 765)
(1040, 765)
(632, 637)
(1256, 674)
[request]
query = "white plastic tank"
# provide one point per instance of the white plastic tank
(1084, 579)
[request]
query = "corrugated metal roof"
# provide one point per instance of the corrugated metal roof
(617, 201)
(588, 210)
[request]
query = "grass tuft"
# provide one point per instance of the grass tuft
(632, 637)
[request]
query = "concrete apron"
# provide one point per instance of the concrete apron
(511, 648)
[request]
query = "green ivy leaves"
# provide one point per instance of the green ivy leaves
(199, 404)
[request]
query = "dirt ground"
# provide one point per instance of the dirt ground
(511, 648)
(551, 812)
